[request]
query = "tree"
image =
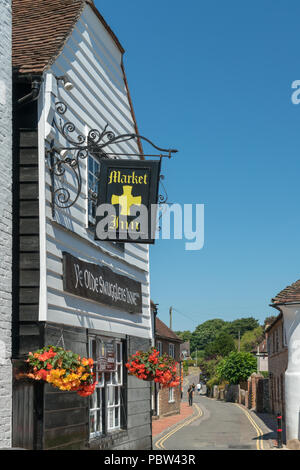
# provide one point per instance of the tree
(184, 335)
(221, 346)
(240, 326)
(237, 367)
(208, 368)
(206, 333)
(251, 339)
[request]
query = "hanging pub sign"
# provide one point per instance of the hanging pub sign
(127, 200)
(101, 284)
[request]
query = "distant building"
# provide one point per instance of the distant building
(277, 362)
(185, 350)
(261, 352)
(166, 401)
(284, 342)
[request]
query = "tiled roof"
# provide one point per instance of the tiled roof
(41, 28)
(164, 331)
(289, 294)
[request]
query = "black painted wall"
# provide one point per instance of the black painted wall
(25, 285)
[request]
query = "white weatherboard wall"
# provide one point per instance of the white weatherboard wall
(92, 61)
(291, 315)
(5, 225)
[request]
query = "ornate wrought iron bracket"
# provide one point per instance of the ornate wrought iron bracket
(96, 143)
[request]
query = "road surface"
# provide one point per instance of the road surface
(215, 425)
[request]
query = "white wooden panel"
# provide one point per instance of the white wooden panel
(92, 61)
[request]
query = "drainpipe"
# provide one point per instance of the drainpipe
(33, 95)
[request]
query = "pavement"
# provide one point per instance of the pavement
(214, 425)
(160, 425)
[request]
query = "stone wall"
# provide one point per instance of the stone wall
(5, 223)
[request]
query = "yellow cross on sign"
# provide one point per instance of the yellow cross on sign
(126, 200)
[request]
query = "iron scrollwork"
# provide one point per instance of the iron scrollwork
(96, 143)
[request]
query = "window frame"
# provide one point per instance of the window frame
(171, 397)
(172, 350)
(108, 383)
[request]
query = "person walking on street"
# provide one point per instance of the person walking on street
(199, 388)
(190, 393)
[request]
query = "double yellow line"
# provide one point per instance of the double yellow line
(160, 443)
(259, 442)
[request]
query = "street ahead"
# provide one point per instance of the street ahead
(216, 425)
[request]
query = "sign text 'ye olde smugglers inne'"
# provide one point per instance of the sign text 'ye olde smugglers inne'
(101, 284)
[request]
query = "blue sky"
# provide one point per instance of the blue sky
(213, 79)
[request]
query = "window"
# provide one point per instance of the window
(106, 401)
(171, 350)
(159, 347)
(93, 175)
(171, 395)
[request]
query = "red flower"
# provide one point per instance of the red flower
(42, 374)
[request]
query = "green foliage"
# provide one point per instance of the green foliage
(240, 325)
(184, 335)
(251, 339)
(208, 368)
(264, 373)
(213, 381)
(237, 367)
(198, 354)
(221, 346)
(206, 333)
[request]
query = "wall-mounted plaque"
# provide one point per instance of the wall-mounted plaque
(99, 283)
(107, 361)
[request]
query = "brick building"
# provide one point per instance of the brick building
(5, 225)
(167, 400)
(277, 362)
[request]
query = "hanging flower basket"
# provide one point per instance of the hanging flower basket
(62, 369)
(151, 366)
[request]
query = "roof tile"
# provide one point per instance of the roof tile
(40, 29)
(289, 294)
(161, 329)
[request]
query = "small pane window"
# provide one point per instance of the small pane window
(171, 350)
(171, 394)
(105, 403)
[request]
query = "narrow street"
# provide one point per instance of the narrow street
(215, 425)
